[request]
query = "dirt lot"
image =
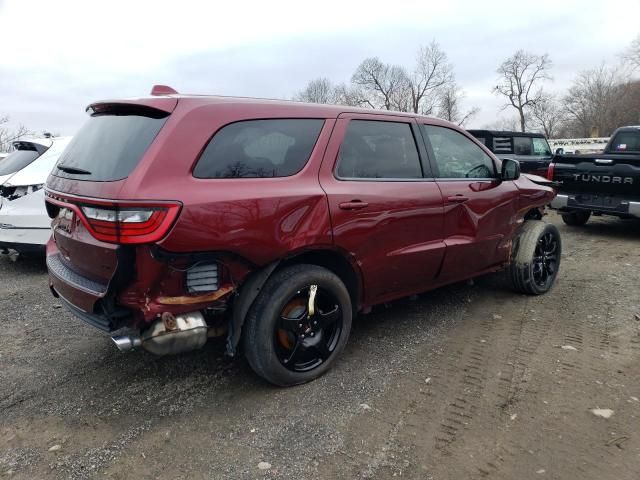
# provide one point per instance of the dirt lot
(470, 381)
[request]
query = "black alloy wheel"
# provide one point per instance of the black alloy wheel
(308, 329)
(545, 260)
(298, 325)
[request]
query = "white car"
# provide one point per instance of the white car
(24, 224)
(25, 151)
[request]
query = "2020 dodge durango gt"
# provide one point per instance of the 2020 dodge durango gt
(182, 217)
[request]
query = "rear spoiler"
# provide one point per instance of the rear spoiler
(159, 106)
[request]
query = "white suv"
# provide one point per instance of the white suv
(24, 224)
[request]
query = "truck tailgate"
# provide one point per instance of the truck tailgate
(611, 174)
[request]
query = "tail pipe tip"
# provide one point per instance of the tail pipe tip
(126, 343)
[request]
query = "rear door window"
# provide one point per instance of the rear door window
(110, 145)
(259, 149)
(522, 146)
(377, 149)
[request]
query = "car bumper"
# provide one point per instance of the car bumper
(569, 202)
(24, 223)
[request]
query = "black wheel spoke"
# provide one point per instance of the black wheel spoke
(291, 324)
(308, 329)
(327, 319)
(295, 353)
(322, 349)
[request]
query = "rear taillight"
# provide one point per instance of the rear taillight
(550, 171)
(128, 224)
(122, 222)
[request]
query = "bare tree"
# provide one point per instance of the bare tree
(593, 101)
(384, 85)
(432, 77)
(548, 115)
(8, 135)
(450, 108)
(519, 81)
(632, 55)
(391, 87)
(319, 90)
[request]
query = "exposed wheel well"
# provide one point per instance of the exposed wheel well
(534, 214)
(338, 264)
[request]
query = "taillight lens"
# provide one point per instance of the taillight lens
(551, 171)
(139, 223)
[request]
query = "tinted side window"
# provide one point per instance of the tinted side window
(377, 149)
(541, 147)
(456, 156)
(259, 149)
(522, 146)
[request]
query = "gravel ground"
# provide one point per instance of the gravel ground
(469, 381)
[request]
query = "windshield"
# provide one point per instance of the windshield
(108, 147)
(541, 147)
(17, 161)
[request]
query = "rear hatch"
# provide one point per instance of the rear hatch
(26, 152)
(90, 222)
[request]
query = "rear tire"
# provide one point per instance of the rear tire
(577, 218)
(286, 345)
(535, 265)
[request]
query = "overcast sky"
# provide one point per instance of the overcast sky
(58, 56)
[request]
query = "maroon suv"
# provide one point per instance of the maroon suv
(182, 217)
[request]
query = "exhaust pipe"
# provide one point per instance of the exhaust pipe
(126, 343)
(168, 335)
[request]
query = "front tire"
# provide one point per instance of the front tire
(576, 218)
(535, 265)
(285, 342)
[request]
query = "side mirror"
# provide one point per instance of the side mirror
(510, 169)
(559, 151)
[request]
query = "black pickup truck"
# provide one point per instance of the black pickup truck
(605, 183)
(530, 150)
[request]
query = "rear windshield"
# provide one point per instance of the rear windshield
(259, 149)
(109, 146)
(626, 142)
(17, 160)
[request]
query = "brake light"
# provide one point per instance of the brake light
(139, 223)
(119, 222)
(550, 171)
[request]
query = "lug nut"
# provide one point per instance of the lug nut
(313, 334)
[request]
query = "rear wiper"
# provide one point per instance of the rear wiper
(69, 169)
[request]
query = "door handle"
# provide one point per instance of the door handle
(457, 199)
(353, 205)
